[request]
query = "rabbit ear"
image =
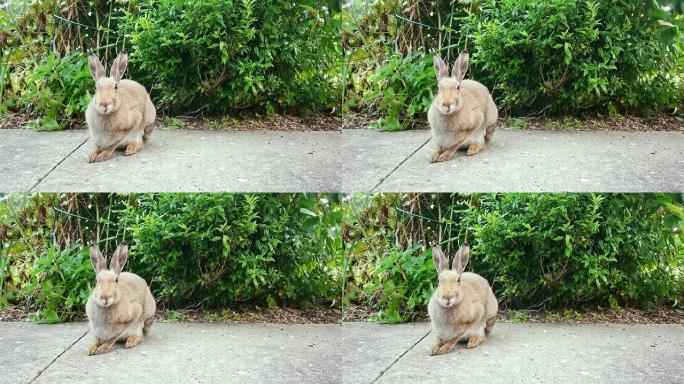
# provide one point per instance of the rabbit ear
(96, 67)
(441, 262)
(441, 69)
(97, 259)
(460, 66)
(461, 259)
(119, 66)
(119, 258)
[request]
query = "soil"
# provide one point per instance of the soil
(324, 122)
(567, 123)
(286, 123)
(324, 315)
(246, 315)
(572, 316)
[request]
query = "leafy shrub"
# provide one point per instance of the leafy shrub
(232, 55)
(537, 250)
(61, 283)
(52, 279)
(537, 57)
(58, 89)
(403, 284)
(209, 250)
(228, 249)
(566, 56)
(43, 70)
(566, 250)
(401, 91)
(208, 57)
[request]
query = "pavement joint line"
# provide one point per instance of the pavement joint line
(399, 165)
(57, 165)
(400, 356)
(58, 356)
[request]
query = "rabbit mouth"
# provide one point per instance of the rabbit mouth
(106, 303)
(450, 110)
(448, 303)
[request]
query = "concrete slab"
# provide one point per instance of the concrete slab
(550, 161)
(26, 349)
(26, 156)
(348, 353)
(552, 353)
(210, 353)
(371, 348)
(369, 156)
(259, 161)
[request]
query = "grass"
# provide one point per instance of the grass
(173, 317)
(516, 317)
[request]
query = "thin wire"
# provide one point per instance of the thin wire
(415, 22)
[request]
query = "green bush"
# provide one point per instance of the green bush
(537, 57)
(401, 91)
(402, 284)
(197, 57)
(228, 249)
(195, 250)
(560, 56)
(233, 55)
(537, 250)
(59, 90)
(61, 283)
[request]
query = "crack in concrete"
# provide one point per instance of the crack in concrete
(399, 165)
(58, 356)
(56, 165)
(400, 356)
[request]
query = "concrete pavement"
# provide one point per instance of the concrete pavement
(174, 353)
(348, 353)
(522, 161)
(202, 161)
(348, 161)
(518, 353)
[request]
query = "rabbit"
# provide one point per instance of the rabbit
(121, 307)
(120, 114)
(463, 307)
(462, 114)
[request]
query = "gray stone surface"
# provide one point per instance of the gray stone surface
(547, 353)
(371, 348)
(535, 161)
(349, 161)
(258, 161)
(26, 156)
(370, 156)
(189, 353)
(348, 353)
(27, 348)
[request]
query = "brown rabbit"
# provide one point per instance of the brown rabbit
(121, 307)
(121, 113)
(462, 114)
(463, 307)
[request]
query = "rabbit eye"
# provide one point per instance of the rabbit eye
(116, 86)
